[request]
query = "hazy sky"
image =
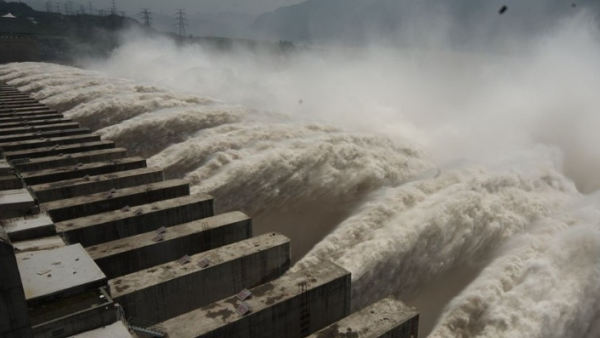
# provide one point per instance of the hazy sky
(168, 7)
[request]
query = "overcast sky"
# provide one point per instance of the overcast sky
(170, 6)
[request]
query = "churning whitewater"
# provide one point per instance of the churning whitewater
(487, 231)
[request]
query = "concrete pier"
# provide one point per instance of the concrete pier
(35, 129)
(131, 254)
(10, 182)
(10, 103)
(27, 112)
(18, 107)
(43, 163)
(48, 275)
(13, 111)
(14, 321)
(87, 213)
(7, 97)
(82, 206)
(94, 184)
(16, 203)
(9, 106)
(22, 119)
(292, 306)
(47, 142)
(30, 228)
(43, 134)
(40, 122)
(74, 315)
(388, 318)
(27, 97)
(172, 289)
(115, 330)
(59, 149)
(78, 171)
(119, 224)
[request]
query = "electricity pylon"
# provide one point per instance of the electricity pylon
(182, 21)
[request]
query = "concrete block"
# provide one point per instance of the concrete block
(78, 171)
(83, 206)
(40, 122)
(74, 315)
(10, 182)
(15, 203)
(118, 224)
(94, 184)
(50, 275)
(30, 228)
(292, 306)
(38, 244)
(35, 129)
(388, 318)
(48, 142)
(24, 119)
(59, 149)
(172, 289)
(135, 253)
(43, 163)
(43, 134)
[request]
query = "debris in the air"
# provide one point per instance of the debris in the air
(503, 10)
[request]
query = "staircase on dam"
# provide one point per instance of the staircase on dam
(95, 243)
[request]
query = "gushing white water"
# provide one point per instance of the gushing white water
(456, 186)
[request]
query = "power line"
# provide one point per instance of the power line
(147, 17)
(182, 21)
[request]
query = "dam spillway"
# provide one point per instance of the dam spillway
(94, 240)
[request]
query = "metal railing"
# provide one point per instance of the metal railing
(146, 327)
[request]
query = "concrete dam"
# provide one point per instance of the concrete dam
(96, 243)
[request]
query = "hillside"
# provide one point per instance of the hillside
(64, 37)
(402, 21)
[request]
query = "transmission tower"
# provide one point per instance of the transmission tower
(91, 8)
(182, 21)
(113, 8)
(48, 6)
(82, 9)
(147, 17)
(68, 8)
